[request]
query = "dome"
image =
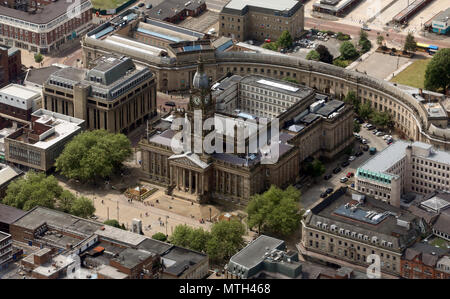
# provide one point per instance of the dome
(201, 80)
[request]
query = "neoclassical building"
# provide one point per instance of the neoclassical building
(310, 125)
(410, 109)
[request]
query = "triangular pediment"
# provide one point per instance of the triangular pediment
(189, 159)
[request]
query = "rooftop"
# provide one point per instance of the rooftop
(387, 229)
(430, 254)
(19, 91)
(4, 236)
(120, 235)
(111, 272)
(130, 258)
(384, 160)
(169, 8)
(277, 85)
(38, 76)
(7, 174)
(279, 5)
(44, 15)
(443, 16)
(179, 259)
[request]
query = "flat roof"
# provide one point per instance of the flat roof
(130, 258)
(7, 174)
(111, 272)
(120, 235)
(44, 15)
(39, 75)
(442, 16)
(277, 85)
(268, 4)
(387, 157)
(10, 214)
(21, 91)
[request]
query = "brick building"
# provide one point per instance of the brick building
(421, 262)
(44, 27)
(174, 11)
(17, 102)
(10, 64)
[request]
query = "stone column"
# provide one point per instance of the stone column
(190, 181)
(203, 183)
(235, 185)
(196, 183)
(184, 179)
(170, 175)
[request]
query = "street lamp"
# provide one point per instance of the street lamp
(167, 217)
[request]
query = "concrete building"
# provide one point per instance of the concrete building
(423, 261)
(17, 102)
(441, 23)
(335, 7)
(238, 175)
(260, 20)
(38, 144)
(174, 11)
(5, 249)
(10, 64)
(116, 94)
(346, 228)
(43, 26)
(404, 167)
(7, 175)
(104, 251)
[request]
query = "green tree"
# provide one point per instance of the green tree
(285, 39)
(270, 46)
(362, 35)
(181, 236)
(324, 54)
(380, 40)
(82, 207)
(160, 237)
(437, 74)
(198, 239)
(275, 211)
(225, 240)
(365, 45)
(114, 223)
(343, 37)
(365, 111)
(340, 63)
(348, 51)
(93, 154)
(65, 201)
(32, 190)
(38, 57)
(381, 119)
(356, 127)
(410, 43)
(352, 99)
(316, 168)
(313, 55)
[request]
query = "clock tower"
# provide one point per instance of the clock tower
(200, 103)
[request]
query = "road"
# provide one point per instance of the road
(322, 24)
(311, 196)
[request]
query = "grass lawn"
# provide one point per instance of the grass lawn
(439, 242)
(413, 75)
(107, 4)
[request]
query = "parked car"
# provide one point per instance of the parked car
(323, 195)
(379, 134)
(329, 190)
(373, 150)
(336, 170)
(364, 141)
(343, 180)
(374, 132)
(170, 103)
(389, 142)
(365, 148)
(345, 164)
(350, 174)
(359, 153)
(327, 177)
(141, 4)
(371, 127)
(351, 158)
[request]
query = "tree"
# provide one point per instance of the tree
(181, 236)
(285, 39)
(356, 127)
(365, 111)
(343, 37)
(380, 40)
(275, 211)
(65, 201)
(324, 54)
(313, 55)
(225, 240)
(366, 45)
(82, 207)
(160, 237)
(34, 189)
(114, 223)
(316, 168)
(363, 35)
(270, 46)
(38, 57)
(381, 119)
(93, 154)
(348, 51)
(437, 74)
(352, 99)
(410, 43)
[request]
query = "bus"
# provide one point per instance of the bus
(430, 49)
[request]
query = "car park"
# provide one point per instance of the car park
(343, 180)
